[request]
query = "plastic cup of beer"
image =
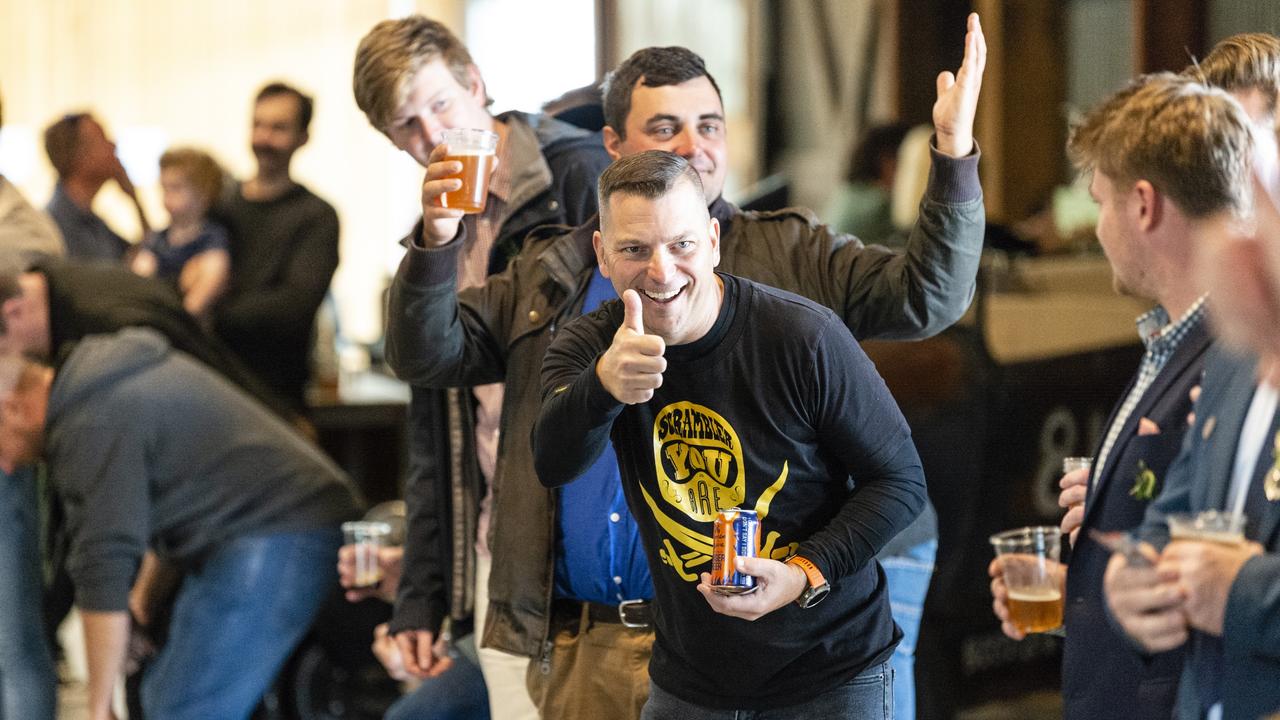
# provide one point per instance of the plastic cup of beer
(1029, 558)
(1210, 526)
(476, 150)
(1076, 463)
(366, 538)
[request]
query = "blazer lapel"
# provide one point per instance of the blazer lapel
(1272, 517)
(1230, 413)
(1194, 345)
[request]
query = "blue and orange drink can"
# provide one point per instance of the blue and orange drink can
(736, 534)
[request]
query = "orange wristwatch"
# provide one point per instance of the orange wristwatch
(818, 585)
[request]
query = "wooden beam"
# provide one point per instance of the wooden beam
(1168, 33)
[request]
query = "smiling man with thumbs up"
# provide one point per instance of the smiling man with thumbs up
(719, 392)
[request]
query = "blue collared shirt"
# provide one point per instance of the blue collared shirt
(599, 557)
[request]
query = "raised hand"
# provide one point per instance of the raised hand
(957, 102)
(631, 369)
(439, 224)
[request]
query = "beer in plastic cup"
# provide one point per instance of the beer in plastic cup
(1029, 558)
(1076, 463)
(1210, 525)
(476, 150)
(366, 538)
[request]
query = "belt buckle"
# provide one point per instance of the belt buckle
(622, 613)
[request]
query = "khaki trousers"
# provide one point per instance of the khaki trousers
(596, 670)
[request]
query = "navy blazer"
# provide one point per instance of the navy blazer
(1199, 480)
(1103, 673)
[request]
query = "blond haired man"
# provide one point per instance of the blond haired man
(414, 79)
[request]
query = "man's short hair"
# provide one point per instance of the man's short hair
(1190, 141)
(306, 105)
(201, 170)
(652, 67)
(1248, 61)
(650, 174)
(62, 143)
(392, 53)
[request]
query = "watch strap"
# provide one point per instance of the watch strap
(811, 571)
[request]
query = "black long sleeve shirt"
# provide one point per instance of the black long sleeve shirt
(776, 409)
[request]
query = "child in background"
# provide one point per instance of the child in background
(192, 253)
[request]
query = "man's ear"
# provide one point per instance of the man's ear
(612, 143)
(1149, 205)
(714, 235)
(597, 242)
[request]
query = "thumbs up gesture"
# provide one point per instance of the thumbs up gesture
(631, 369)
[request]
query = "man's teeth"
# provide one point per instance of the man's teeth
(662, 296)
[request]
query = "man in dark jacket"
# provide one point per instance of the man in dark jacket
(1150, 213)
(414, 79)
(570, 560)
(149, 449)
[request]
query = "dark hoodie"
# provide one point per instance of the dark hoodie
(150, 448)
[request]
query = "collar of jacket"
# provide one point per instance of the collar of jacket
(572, 255)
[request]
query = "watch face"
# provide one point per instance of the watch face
(814, 595)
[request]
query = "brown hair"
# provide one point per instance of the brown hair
(62, 143)
(201, 170)
(393, 52)
(1190, 141)
(1248, 61)
(651, 67)
(650, 174)
(306, 104)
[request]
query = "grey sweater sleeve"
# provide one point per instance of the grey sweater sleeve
(103, 476)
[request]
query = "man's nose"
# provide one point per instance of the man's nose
(432, 128)
(660, 267)
(688, 143)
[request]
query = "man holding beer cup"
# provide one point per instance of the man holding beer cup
(720, 393)
(415, 81)
(1101, 673)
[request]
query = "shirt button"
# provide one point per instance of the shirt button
(554, 205)
(615, 517)
(533, 316)
(617, 580)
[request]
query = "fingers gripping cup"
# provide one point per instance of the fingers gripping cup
(366, 538)
(477, 151)
(1029, 558)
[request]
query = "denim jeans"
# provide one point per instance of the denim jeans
(457, 694)
(236, 619)
(28, 684)
(908, 576)
(868, 696)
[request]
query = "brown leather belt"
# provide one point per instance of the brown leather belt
(628, 613)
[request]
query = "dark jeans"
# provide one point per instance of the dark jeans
(868, 696)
